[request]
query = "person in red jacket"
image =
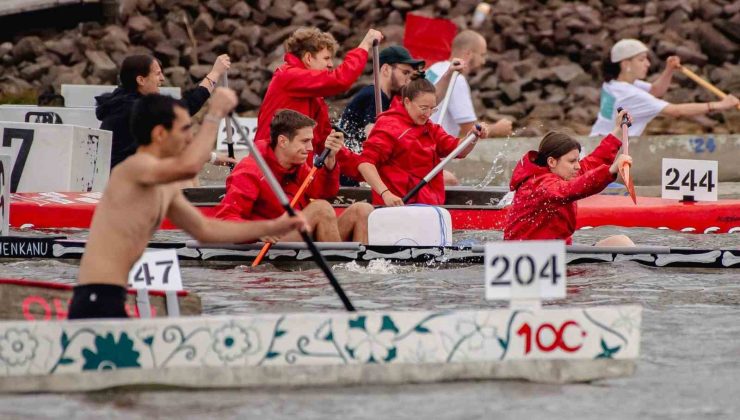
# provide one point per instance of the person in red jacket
(549, 181)
(307, 76)
(405, 145)
(249, 197)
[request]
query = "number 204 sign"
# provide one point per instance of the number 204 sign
(689, 178)
(156, 270)
(525, 270)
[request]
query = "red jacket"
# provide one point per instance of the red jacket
(249, 197)
(544, 205)
(295, 87)
(404, 153)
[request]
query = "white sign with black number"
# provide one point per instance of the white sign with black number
(249, 125)
(537, 268)
(690, 179)
(4, 194)
(156, 270)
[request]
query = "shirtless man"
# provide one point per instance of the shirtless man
(143, 189)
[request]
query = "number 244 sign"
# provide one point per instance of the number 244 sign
(156, 270)
(536, 269)
(688, 177)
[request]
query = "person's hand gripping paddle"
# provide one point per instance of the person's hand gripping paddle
(624, 171)
(283, 199)
(318, 163)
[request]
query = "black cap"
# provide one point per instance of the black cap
(397, 54)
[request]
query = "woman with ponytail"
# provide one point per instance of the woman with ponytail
(405, 145)
(549, 181)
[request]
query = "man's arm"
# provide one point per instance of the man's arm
(189, 163)
(457, 64)
(203, 229)
(660, 85)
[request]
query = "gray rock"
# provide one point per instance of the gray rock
(199, 71)
(139, 23)
(177, 76)
(238, 50)
(28, 48)
(203, 24)
(250, 99)
(102, 65)
(568, 72)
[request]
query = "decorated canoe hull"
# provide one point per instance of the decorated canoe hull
(298, 349)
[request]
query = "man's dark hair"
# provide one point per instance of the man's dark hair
(287, 122)
(150, 111)
(132, 67)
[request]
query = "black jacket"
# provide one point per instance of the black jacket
(114, 110)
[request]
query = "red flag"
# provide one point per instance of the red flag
(429, 38)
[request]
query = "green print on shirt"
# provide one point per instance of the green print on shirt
(607, 104)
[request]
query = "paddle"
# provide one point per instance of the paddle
(229, 130)
(318, 163)
(280, 194)
(448, 95)
(437, 169)
(703, 83)
(376, 78)
(625, 169)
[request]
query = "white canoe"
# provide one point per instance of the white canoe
(298, 349)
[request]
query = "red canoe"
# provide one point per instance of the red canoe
(75, 210)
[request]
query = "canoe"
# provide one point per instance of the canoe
(299, 349)
(470, 209)
(33, 300)
(290, 254)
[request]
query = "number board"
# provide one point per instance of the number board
(4, 194)
(156, 270)
(525, 270)
(250, 126)
(689, 177)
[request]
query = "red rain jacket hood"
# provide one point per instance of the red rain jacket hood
(249, 197)
(405, 152)
(544, 205)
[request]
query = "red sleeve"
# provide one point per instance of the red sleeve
(349, 161)
(587, 184)
(445, 143)
(604, 154)
(325, 184)
(377, 148)
(242, 190)
(306, 83)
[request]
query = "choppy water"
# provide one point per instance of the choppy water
(688, 369)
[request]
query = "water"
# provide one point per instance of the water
(688, 368)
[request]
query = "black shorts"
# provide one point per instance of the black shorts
(98, 301)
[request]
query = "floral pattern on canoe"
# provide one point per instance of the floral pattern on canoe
(55, 347)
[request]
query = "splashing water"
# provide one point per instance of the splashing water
(497, 169)
(381, 266)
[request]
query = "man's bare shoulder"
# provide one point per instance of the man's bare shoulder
(133, 165)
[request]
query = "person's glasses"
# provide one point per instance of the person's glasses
(425, 109)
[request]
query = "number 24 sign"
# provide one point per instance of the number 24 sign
(156, 270)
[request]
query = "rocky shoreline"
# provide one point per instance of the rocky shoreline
(543, 66)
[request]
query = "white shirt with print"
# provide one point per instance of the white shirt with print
(460, 109)
(635, 98)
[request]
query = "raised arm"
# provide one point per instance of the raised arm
(456, 65)
(204, 229)
(661, 84)
(150, 171)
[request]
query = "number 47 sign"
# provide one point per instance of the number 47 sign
(525, 270)
(156, 270)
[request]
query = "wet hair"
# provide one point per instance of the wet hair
(132, 67)
(609, 70)
(416, 87)
(310, 40)
(287, 122)
(150, 111)
(555, 145)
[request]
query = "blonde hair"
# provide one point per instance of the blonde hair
(310, 40)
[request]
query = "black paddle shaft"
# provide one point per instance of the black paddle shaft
(280, 194)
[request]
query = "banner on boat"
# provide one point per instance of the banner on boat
(82, 96)
(250, 126)
(52, 157)
(251, 348)
(83, 117)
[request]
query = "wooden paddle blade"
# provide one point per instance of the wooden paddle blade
(624, 171)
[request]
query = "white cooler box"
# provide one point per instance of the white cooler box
(83, 117)
(410, 225)
(56, 157)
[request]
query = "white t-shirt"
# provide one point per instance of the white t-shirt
(460, 110)
(635, 98)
